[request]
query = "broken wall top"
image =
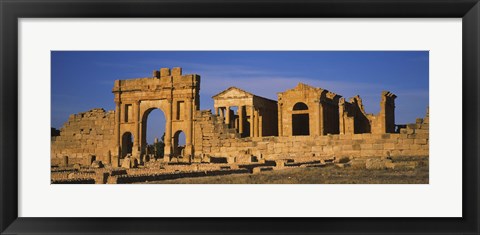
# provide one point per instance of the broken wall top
(307, 91)
(163, 79)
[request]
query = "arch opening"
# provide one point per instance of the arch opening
(300, 106)
(153, 132)
(179, 142)
(127, 144)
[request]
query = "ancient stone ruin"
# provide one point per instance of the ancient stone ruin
(245, 133)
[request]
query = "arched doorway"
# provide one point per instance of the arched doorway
(153, 132)
(178, 143)
(300, 119)
(127, 144)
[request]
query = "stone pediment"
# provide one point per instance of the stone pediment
(302, 87)
(233, 92)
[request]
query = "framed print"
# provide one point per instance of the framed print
(239, 117)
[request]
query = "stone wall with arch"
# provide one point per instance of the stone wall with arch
(177, 95)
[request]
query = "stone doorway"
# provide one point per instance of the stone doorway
(300, 119)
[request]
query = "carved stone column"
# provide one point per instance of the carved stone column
(168, 131)
(319, 118)
(118, 111)
(280, 120)
(227, 115)
(220, 110)
(241, 119)
(252, 122)
(260, 125)
(256, 123)
(189, 130)
(136, 140)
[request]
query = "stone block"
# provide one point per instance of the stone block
(164, 72)
(420, 141)
(280, 163)
(101, 177)
(177, 71)
(366, 146)
(389, 146)
(358, 163)
(126, 163)
(89, 160)
(376, 163)
(112, 180)
(257, 170)
(97, 164)
(64, 162)
(231, 159)
(115, 161)
(71, 176)
(342, 165)
(246, 158)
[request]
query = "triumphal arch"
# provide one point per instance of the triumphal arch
(175, 94)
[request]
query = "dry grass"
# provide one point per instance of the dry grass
(317, 175)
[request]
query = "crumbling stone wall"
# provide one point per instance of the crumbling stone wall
(384, 122)
(413, 140)
(85, 134)
(353, 119)
(210, 131)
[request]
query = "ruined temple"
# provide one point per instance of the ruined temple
(304, 122)
(255, 116)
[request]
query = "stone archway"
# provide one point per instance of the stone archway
(144, 142)
(175, 94)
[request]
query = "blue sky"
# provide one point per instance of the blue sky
(82, 80)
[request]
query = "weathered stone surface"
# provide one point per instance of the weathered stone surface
(377, 163)
(64, 161)
(257, 170)
(97, 164)
(129, 163)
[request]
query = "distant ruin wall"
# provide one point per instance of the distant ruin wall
(85, 134)
(413, 140)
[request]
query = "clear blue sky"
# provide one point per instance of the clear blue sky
(82, 80)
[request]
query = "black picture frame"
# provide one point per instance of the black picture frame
(11, 11)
